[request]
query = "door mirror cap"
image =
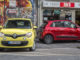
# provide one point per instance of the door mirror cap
(35, 27)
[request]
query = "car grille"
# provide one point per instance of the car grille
(23, 43)
(14, 35)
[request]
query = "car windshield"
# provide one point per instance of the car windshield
(18, 24)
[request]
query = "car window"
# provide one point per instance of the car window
(18, 24)
(57, 24)
(69, 24)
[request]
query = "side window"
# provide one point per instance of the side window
(53, 24)
(73, 26)
(57, 24)
(69, 24)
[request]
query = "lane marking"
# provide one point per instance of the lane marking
(44, 52)
(38, 54)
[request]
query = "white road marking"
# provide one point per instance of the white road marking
(45, 52)
(37, 54)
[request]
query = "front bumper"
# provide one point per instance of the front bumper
(28, 42)
(22, 43)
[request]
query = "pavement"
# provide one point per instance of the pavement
(60, 50)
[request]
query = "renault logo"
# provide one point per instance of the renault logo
(14, 35)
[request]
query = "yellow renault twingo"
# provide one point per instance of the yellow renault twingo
(18, 33)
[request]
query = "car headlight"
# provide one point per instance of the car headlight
(29, 34)
(1, 34)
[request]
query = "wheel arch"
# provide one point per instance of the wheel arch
(50, 34)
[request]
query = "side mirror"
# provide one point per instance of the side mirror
(0, 27)
(35, 27)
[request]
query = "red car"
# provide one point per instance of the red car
(59, 30)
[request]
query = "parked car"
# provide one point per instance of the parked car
(59, 30)
(18, 33)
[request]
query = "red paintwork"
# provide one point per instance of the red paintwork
(61, 31)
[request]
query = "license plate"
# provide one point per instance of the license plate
(14, 42)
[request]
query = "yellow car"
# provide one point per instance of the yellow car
(18, 33)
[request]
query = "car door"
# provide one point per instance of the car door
(59, 30)
(78, 32)
(71, 30)
(64, 30)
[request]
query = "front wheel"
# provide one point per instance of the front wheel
(33, 48)
(48, 39)
(4, 49)
(1, 49)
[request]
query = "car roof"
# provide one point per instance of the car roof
(19, 19)
(57, 20)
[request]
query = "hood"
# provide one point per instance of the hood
(17, 31)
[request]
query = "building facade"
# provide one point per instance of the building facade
(58, 10)
(17, 9)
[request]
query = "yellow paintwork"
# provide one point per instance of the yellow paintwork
(18, 31)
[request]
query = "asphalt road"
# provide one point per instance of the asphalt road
(68, 50)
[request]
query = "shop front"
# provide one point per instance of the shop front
(57, 14)
(77, 13)
(16, 9)
(61, 11)
(78, 17)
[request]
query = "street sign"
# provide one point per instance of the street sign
(77, 5)
(67, 4)
(51, 4)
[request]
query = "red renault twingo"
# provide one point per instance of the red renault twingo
(59, 30)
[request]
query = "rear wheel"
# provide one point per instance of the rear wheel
(33, 48)
(48, 39)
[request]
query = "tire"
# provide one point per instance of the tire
(33, 48)
(41, 40)
(1, 49)
(48, 39)
(5, 50)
